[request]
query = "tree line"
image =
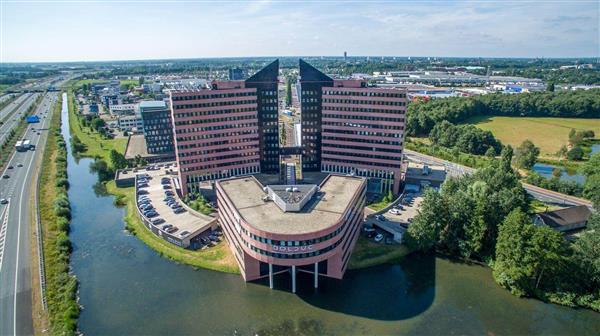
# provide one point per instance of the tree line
(467, 138)
(422, 115)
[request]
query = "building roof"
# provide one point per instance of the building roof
(152, 104)
(323, 210)
(567, 216)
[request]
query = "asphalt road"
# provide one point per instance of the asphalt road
(454, 169)
(15, 114)
(15, 229)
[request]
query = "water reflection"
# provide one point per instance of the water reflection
(545, 170)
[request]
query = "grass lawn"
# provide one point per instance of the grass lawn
(217, 258)
(96, 146)
(547, 133)
(80, 83)
(368, 253)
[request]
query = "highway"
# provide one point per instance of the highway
(7, 110)
(15, 114)
(454, 169)
(16, 226)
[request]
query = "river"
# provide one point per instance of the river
(127, 288)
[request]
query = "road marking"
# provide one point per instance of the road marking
(3, 232)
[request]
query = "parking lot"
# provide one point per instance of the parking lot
(406, 210)
(166, 215)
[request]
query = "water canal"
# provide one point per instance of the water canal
(127, 288)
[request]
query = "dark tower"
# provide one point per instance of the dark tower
(265, 81)
(312, 82)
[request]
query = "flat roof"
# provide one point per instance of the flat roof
(322, 211)
(152, 103)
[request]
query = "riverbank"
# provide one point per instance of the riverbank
(54, 207)
(96, 146)
(216, 258)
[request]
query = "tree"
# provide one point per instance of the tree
(550, 87)
(526, 155)
(118, 160)
(507, 154)
(591, 190)
(562, 152)
(527, 256)
(490, 153)
(575, 154)
(141, 81)
(587, 251)
(423, 233)
(592, 166)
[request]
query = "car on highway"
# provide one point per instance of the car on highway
(10, 167)
(5, 176)
(3, 201)
(19, 165)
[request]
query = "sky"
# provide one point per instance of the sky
(89, 30)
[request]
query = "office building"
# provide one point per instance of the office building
(228, 130)
(158, 127)
(348, 127)
(291, 228)
(236, 74)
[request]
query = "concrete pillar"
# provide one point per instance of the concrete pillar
(270, 275)
(317, 274)
(293, 278)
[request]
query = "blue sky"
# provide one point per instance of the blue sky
(68, 30)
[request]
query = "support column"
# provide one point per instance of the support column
(270, 275)
(317, 274)
(293, 278)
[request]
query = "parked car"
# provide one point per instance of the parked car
(184, 233)
(151, 214)
(175, 205)
(166, 186)
(172, 229)
(142, 192)
(378, 238)
(394, 211)
(166, 226)
(157, 221)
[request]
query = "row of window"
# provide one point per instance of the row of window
(362, 155)
(349, 161)
(365, 141)
(235, 127)
(367, 133)
(218, 150)
(358, 117)
(213, 95)
(213, 120)
(363, 148)
(358, 125)
(364, 93)
(220, 165)
(225, 135)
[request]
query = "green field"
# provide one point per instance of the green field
(547, 133)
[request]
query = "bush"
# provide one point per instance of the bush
(62, 183)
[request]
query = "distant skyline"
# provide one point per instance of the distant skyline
(65, 30)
